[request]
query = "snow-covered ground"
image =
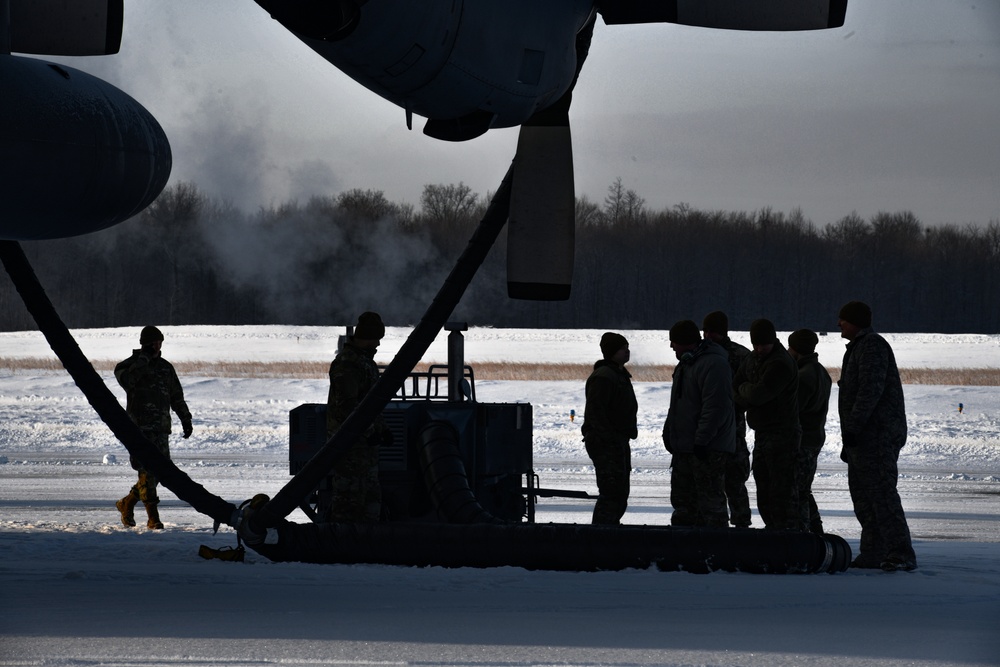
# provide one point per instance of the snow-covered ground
(76, 588)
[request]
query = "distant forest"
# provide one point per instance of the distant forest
(188, 259)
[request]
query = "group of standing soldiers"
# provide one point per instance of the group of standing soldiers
(719, 388)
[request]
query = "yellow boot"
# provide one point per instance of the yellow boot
(125, 506)
(154, 516)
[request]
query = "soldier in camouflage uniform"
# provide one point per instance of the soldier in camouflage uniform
(716, 329)
(356, 491)
(814, 400)
(873, 430)
(700, 429)
(767, 388)
(609, 422)
(152, 390)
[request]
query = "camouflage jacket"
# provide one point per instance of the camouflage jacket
(611, 409)
(767, 387)
(352, 375)
(871, 392)
(701, 410)
(737, 354)
(814, 393)
(153, 389)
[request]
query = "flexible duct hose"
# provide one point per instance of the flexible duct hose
(562, 547)
(395, 374)
(100, 397)
(445, 476)
(552, 547)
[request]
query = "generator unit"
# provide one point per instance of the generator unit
(450, 455)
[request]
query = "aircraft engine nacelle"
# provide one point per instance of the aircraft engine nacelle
(76, 154)
(467, 66)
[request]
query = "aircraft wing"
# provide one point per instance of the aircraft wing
(64, 28)
(763, 15)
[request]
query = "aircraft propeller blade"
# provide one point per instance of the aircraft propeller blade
(776, 15)
(541, 228)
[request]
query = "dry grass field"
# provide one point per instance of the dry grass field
(982, 377)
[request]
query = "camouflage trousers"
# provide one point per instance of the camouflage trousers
(698, 490)
(812, 443)
(775, 457)
(737, 474)
(145, 487)
(356, 494)
(612, 465)
(872, 474)
(356, 499)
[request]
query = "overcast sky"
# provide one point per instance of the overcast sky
(898, 110)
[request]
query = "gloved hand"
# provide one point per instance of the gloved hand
(188, 428)
(701, 453)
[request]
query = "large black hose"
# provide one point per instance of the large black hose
(549, 547)
(395, 374)
(446, 478)
(303, 483)
(566, 547)
(100, 397)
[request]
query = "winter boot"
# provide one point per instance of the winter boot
(125, 506)
(154, 517)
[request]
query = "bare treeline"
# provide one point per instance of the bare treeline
(188, 259)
